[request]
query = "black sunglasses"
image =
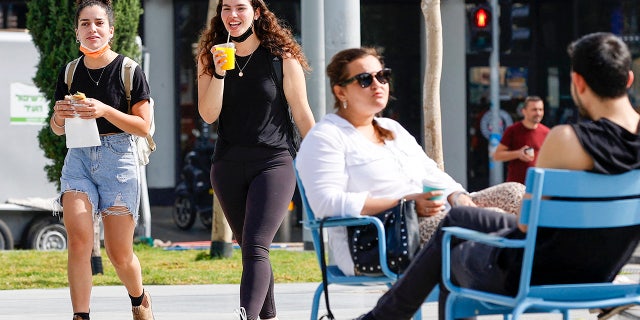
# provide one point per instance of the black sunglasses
(365, 79)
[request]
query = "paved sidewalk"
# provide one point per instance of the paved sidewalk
(210, 302)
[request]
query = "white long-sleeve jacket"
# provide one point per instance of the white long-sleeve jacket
(340, 168)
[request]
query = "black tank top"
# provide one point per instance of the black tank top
(597, 254)
(253, 113)
(613, 149)
(594, 255)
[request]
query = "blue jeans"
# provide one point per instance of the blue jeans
(108, 174)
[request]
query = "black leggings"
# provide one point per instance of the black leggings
(254, 186)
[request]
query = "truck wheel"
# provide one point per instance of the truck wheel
(6, 239)
(47, 234)
(184, 213)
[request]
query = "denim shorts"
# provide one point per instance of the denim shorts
(108, 174)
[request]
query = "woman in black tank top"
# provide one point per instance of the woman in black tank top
(252, 172)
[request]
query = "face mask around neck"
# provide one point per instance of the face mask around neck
(243, 36)
(94, 53)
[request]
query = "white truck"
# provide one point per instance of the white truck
(26, 196)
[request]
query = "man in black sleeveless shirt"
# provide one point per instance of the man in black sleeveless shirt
(607, 143)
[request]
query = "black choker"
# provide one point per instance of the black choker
(244, 36)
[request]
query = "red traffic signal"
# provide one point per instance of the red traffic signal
(480, 25)
(481, 18)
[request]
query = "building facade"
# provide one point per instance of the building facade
(533, 62)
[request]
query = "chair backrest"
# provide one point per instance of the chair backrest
(576, 200)
(311, 218)
(305, 203)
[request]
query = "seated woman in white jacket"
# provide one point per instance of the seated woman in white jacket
(353, 163)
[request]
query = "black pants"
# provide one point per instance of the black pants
(473, 265)
(254, 186)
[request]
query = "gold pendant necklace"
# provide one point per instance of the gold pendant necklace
(245, 64)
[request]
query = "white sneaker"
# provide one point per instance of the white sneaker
(242, 313)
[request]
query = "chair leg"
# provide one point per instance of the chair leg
(316, 302)
(418, 315)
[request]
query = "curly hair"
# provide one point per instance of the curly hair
(105, 4)
(271, 31)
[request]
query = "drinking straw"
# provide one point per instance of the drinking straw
(228, 36)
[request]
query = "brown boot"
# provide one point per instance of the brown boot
(143, 311)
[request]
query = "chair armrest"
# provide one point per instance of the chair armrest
(344, 222)
(482, 237)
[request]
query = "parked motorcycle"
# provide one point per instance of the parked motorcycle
(194, 195)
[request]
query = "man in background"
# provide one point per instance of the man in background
(522, 140)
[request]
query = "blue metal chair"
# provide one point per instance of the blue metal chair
(334, 275)
(596, 201)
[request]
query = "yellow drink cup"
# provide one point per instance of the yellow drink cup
(230, 50)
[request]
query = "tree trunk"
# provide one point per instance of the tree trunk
(431, 90)
(221, 236)
(96, 257)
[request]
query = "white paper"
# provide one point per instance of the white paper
(81, 133)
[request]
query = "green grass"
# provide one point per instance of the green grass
(28, 269)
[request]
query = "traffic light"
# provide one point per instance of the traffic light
(515, 25)
(506, 25)
(480, 28)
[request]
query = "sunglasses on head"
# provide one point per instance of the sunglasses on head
(365, 79)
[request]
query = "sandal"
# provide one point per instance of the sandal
(610, 312)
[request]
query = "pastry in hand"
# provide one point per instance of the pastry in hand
(78, 96)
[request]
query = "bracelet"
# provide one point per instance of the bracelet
(217, 76)
(455, 197)
(53, 120)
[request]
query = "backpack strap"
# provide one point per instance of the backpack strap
(69, 71)
(126, 74)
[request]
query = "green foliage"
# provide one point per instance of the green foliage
(127, 13)
(51, 24)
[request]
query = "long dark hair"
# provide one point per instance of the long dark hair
(272, 33)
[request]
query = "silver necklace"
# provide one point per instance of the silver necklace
(101, 73)
(245, 64)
